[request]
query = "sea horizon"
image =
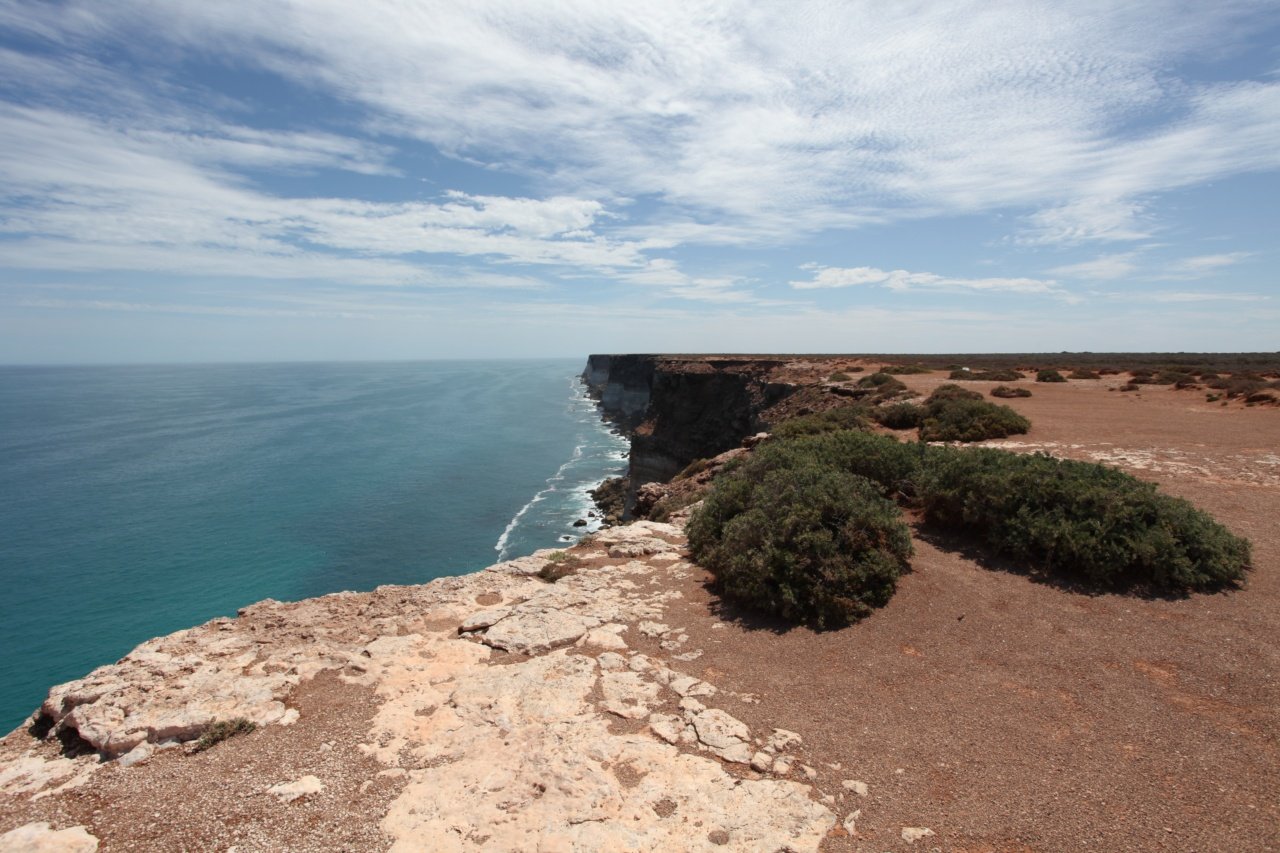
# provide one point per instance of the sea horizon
(147, 498)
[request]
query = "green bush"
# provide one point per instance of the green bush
(807, 542)
(832, 420)
(1082, 520)
(1050, 375)
(891, 464)
(1007, 392)
(905, 369)
(951, 392)
(1082, 373)
(970, 420)
(839, 377)
(986, 375)
(898, 415)
(219, 730)
(882, 382)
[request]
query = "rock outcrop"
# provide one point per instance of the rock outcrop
(498, 694)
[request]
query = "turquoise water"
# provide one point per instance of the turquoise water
(135, 501)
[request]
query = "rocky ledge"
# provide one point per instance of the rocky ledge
(511, 712)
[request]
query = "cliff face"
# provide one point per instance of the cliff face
(679, 409)
(622, 385)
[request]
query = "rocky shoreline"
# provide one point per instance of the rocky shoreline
(509, 708)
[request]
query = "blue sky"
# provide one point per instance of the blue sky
(195, 181)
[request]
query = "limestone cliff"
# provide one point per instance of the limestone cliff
(681, 408)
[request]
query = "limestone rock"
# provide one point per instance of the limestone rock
(287, 792)
(859, 788)
(39, 837)
(531, 632)
(718, 730)
(912, 834)
(640, 548)
(627, 694)
(484, 618)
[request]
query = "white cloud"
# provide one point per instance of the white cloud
(902, 280)
(775, 119)
(1099, 269)
(1204, 265)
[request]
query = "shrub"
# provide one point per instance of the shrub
(898, 415)
(559, 565)
(219, 730)
(1080, 519)
(951, 392)
(832, 420)
(971, 420)
(1082, 373)
(839, 377)
(986, 375)
(694, 468)
(1007, 392)
(808, 543)
(905, 369)
(1050, 375)
(881, 382)
(1130, 386)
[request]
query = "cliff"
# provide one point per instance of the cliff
(681, 408)
(492, 711)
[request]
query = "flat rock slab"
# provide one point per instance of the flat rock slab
(532, 632)
(39, 837)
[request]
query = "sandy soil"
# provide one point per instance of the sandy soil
(1009, 715)
(999, 713)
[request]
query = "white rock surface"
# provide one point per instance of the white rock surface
(39, 837)
(287, 792)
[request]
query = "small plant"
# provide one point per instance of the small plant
(694, 468)
(840, 376)
(560, 564)
(832, 420)
(1050, 375)
(986, 375)
(898, 415)
(219, 730)
(905, 369)
(1131, 386)
(1008, 392)
(1081, 519)
(1082, 373)
(970, 420)
(808, 543)
(1212, 398)
(882, 382)
(951, 392)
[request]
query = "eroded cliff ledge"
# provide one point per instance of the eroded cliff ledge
(678, 408)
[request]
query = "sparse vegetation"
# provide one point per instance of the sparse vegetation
(694, 468)
(1081, 373)
(840, 376)
(952, 413)
(986, 375)
(905, 369)
(1082, 520)
(882, 383)
(898, 415)
(1008, 392)
(832, 420)
(560, 564)
(806, 542)
(1050, 375)
(219, 730)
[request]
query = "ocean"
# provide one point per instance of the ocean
(135, 501)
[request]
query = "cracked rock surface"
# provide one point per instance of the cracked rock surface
(510, 713)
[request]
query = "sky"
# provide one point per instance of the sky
(244, 180)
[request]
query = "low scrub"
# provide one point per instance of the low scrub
(219, 730)
(806, 542)
(1082, 373)
(970, 420)
(986, 375)
(1050, 375)
(1008, 393)
(560, 565)
(832, 420)
(839, 376)
(881, 382)
(905, 369)
(1081, 520)
(898, 415)
(951, 392)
